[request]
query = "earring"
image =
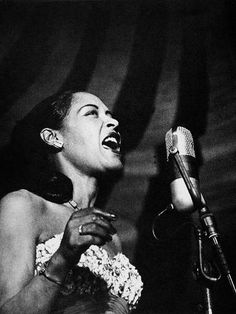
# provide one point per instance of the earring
(58, 144)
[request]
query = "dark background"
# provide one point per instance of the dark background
(156, 64)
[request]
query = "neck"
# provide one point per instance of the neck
(85, 190)
(85, 187)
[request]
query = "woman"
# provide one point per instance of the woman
(52, 236)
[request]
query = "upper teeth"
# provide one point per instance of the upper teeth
(112, 139)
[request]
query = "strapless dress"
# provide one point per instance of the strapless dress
(84, 291)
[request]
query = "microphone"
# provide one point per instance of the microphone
(179, 140)
(185, 191)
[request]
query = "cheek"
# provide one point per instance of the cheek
(81, 139)
(73, 135)
(81, 142)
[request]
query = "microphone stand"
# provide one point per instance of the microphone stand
(205, 273)
(208, 224)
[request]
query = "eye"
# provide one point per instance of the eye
(92, 112)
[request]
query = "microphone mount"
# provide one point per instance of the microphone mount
(206, 217)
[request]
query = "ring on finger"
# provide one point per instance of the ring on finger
(80, 229)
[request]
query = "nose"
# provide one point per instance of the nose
(112, 123)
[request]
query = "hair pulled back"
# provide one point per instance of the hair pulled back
(28, 154)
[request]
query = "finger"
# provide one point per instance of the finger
(95, 230)
(94, 219)
(91, 239)
(100, 221)
(89, 210)
(107, 215)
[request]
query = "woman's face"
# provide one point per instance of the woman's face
(90, 138)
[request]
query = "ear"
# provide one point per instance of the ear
(50, 137)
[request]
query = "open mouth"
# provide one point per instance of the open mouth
(112, 142)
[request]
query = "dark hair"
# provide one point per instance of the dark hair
(29, 161)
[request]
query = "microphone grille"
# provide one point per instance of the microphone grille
(182, 139)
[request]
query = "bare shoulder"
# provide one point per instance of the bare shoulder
(21, 200)
(19, 230)
(18, 207)
(20, 195)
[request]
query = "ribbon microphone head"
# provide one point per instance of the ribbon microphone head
(180, 140)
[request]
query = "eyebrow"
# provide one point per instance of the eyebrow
(95, 106)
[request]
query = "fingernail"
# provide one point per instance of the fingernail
(113, 216)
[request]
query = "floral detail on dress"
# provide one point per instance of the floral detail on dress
(95, 272)
(45, 250)
(122, 278)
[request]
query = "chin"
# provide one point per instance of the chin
(113, 165)
(107, 167)
(109, 162)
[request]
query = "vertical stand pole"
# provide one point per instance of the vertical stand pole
(207, 300)
(205, 274)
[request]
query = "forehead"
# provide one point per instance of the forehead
(81, 99)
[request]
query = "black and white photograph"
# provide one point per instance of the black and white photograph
(117, 156)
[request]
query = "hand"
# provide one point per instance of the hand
(96, 229)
